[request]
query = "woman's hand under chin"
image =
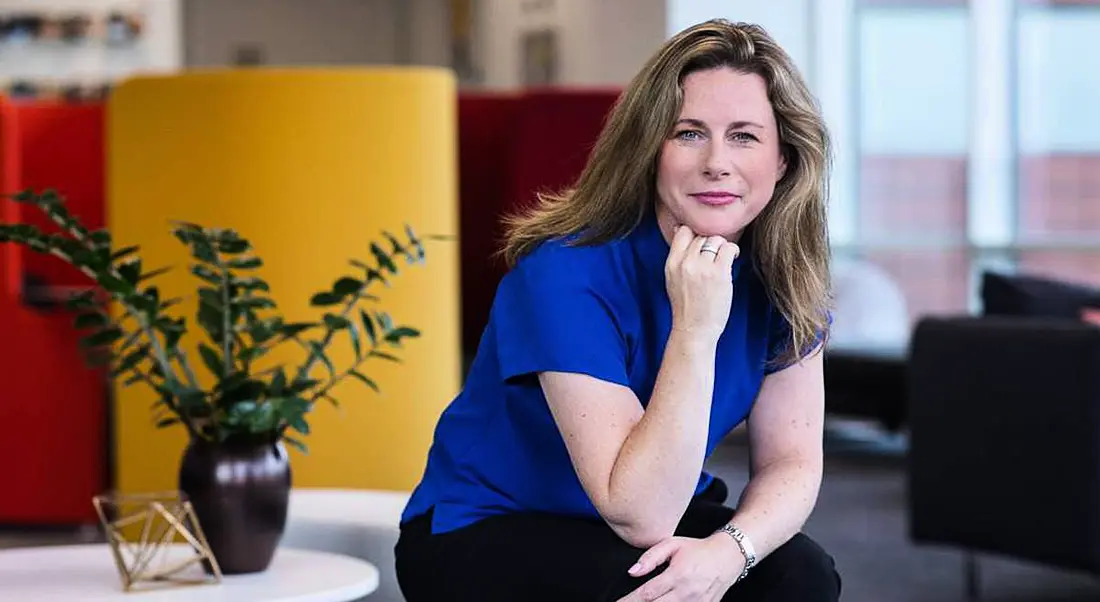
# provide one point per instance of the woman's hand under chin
(699, 570)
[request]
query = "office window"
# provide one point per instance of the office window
(1058, 90)
(913, 119)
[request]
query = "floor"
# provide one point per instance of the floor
(860, 519)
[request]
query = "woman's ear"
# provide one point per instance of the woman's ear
(782, 170)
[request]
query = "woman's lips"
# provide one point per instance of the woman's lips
(715, 198)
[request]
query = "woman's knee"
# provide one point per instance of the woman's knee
(798, 570)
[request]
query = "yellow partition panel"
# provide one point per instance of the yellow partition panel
(311, 166)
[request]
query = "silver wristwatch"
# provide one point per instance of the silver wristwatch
(746, 547)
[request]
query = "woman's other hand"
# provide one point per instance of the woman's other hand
(699, 570)
(698, 276)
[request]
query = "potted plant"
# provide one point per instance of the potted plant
(241, 420)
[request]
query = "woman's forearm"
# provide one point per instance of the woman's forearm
(658, 466)
(776, 504)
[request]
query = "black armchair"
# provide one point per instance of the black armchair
(1004, 452)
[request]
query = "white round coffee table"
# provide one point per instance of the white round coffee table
(88, 572)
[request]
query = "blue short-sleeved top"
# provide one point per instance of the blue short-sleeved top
(600, 310)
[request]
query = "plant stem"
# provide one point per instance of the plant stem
(227, 333)
(149, 381)
(150, 333)
(187, 371)
(303, 372)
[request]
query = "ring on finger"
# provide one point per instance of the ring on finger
(708, 248)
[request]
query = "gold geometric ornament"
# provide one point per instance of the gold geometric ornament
(143, 530)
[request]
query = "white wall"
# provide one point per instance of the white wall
(160, 48)
(788, 21)
(318, 32)
(291, 32)
(914, 90)
(600, 43)
(1059, 80)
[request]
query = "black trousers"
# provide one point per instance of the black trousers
(547, 558)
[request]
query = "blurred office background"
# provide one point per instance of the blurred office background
(967, 147)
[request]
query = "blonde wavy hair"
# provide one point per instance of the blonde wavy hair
(790, 244)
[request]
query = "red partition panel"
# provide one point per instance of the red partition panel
(557, 129)
(486, 140)
(53, 407)
(61, 147)
(10, 267)
(512, 146)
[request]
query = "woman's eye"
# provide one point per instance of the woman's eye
(689, 135)
(744, 137)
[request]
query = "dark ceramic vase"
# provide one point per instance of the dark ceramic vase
(240, 491)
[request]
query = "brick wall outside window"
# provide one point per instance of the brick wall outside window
(923, 199)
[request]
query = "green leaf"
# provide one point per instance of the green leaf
(26, 195)
(191, 400)
(204, 251)
(207, 274)
(301, 386)
(101, 237)
(211, 321)
(212, 359)
(166, 422)
(247, 263)
(211, 297)
(394, 336)
(398, 248)
(278, 382)
(124, 252)
(299, 424)
(251, 284)
(132, 359)
(383, 258)
(365, 380)
(296, 444)
(347, 286)
(251, 354)
(81, 301)
(384, 321)
(172, 329)
(231, 384)
(254, 303)
(295, 328)
(234, 246)
(335, 322)
(326, 300)
(263, 420)
(356, 342)
(368, 326)
(130, 270)
(385, 356)
(90, 320)
(262, 331)
(103, 337)
(153, 274)
(373, 274)
(116, 286)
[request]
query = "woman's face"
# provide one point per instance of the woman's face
(719, 167)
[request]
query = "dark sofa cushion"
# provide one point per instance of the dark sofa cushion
(1035, 296)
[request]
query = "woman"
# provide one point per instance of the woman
(679, 289)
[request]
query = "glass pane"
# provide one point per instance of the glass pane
(1059, 127)
(1079, 266)
(914, 122)
(933, 281)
